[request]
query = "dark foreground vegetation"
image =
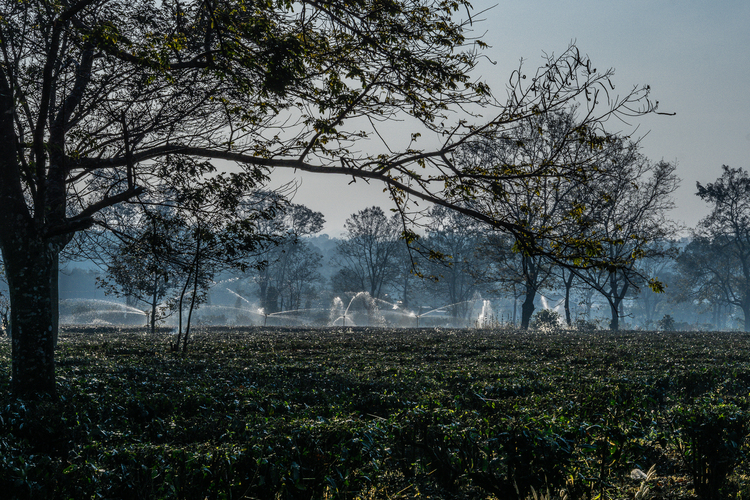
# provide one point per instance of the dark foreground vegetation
(368, 413)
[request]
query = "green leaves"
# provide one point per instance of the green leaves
(349, 411)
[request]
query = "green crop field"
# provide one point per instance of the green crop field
(384, 414)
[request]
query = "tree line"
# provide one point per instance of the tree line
(170, 259)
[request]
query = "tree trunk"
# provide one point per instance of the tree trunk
(176, 345)
(568, 286)
(746, 314)
(55, 299)
(527, 308)
(615, 299)
(30, 266)
(192, 303)
(614, 324)
(154, 300)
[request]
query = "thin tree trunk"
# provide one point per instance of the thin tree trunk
(614, 302)
(179, 310)
(568, 285)
(154, 298)
(194, 271)
(614, 324)
(190, 312)
(55, 300)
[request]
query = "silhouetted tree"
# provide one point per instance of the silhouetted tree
(716, 263)
(454, 240)
(704, 271)
(369, 251)
(653, 305)
(289, 266)
(540, 198)
(628, 214)
(512, 270)
(141, 265)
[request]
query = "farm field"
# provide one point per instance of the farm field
(384, 414)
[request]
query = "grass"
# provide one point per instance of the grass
(384, 414)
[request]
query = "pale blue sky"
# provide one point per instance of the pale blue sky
(694, 54)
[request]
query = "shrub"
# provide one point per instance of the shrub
(666, 324)
(546, 319)
(711, 437)
(584, 325)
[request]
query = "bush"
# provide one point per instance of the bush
(584, 325)
(546, 319)
(666, 324)
(711, 437)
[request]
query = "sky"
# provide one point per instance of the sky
(694, 54)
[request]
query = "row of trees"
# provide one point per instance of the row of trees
(621, 207)
(173, 245)
(176, 240)
(710, 270)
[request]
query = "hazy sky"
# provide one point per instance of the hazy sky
(694, 54)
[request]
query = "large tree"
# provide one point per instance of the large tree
(716, 264)
(546, 170)
(92, 92)
(629, 207)
(449, 258)
(369, 252)
(523, 274)
(288, 267)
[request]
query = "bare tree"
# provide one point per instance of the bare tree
(369, 250)
(453, 242)
(522, 274)
(628, 212)
(544, 203)
(289, 266)
(716, 264)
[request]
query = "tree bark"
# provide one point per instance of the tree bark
(568, 285)
(614, 323)
(31, 264)
(527, 308)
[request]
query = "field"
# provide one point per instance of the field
(384, 414)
